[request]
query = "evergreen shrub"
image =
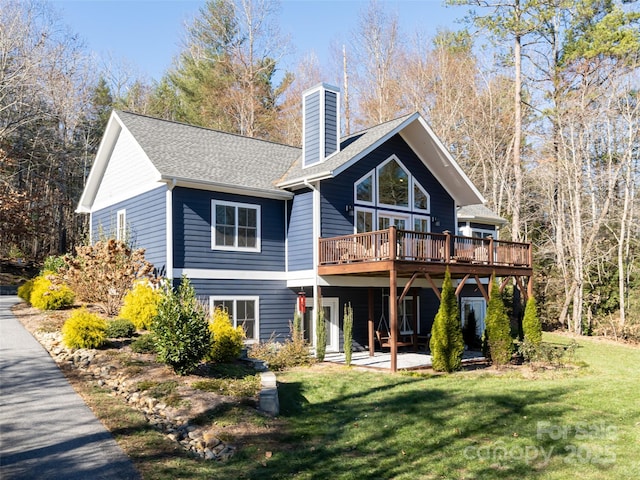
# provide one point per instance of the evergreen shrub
(50, 293)
(531, 323)
(144, 344)
(347, 328)
(120, 328)
(24, 291)
(497, 334)
(140, 304)
(226, 341)
(84, 329)
(181, 329)
(446, 343)
(321, 335)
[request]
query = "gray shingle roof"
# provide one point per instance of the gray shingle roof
(479, 212)
(201, 155)
(350, 147)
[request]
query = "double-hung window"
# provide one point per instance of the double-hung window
(236, 226)
(243, 311)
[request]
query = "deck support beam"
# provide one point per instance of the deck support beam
(434, 287)
(372, 349)
(393, 317)
(483, 290)
(461, 284)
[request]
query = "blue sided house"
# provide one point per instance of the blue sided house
(372, 219)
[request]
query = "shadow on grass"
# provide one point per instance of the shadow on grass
(342, 426)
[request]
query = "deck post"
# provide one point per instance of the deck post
(370, 324)
(393, 242)
(393, 314)
(490, 257)
(447, 246)
(414, 314)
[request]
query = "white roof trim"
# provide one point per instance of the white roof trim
(114, 128)
(226, 188)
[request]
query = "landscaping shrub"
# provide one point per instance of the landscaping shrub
(50, 293)
(24, 291)
(531, 325)
(297, 324)
(181, 329)
(140, 304)
(54, 264)
(348, 333)
(84, 329)
(104, 272)
(120, 328)
(144, 344)
(294, 352)
(547, 353)
(447, 344)
(321, 335)
(226, 341)
(497, 334)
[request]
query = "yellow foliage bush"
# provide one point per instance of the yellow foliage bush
(141, 304)
(227, 341)
(84, 329)
(50, 293)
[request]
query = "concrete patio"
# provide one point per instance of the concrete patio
(406, 360)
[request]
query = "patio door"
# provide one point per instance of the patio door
(330, 305)
(385, 220)
(477, 306)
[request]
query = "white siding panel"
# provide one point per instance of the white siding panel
(129, 172)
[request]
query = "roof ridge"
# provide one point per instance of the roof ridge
(176, 122)
(364, 130)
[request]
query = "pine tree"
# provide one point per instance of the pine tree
(531, 323)
(321, 335)
(497, 334)
(348, 332)
(447, 344)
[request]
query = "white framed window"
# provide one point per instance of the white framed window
(243, 311)
(235, 226)
(365, 220)
(421, 223)
(421, 199)
(364, 189)
(393, 184)
(121, 225)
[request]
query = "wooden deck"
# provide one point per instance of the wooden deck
(401, 253)
(408, 252)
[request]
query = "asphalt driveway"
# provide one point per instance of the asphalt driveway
(46, 430)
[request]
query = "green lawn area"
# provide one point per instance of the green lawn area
(579, 422)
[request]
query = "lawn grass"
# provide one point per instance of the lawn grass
(338, 422)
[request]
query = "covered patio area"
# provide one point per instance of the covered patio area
(405, 360)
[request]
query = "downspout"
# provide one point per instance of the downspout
(315, 235)
(169, 227)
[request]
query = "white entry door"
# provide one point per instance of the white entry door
(330, 305)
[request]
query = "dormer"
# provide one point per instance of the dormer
(320, 124)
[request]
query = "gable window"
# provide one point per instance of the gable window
(243, 312)
(236, 226)
(420, 198)
(393, 184)
(121, 225)
(364, 189)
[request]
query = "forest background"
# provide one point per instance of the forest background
(536, 99)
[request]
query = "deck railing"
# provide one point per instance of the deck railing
(423, 247)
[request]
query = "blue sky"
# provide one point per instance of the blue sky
(147, 33)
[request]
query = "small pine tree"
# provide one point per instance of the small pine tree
(447, 344)
(321, 335)
(348, 332)
(497, 335)
(297, 326)
(531, 323)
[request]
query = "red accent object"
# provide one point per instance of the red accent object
(302, 302)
